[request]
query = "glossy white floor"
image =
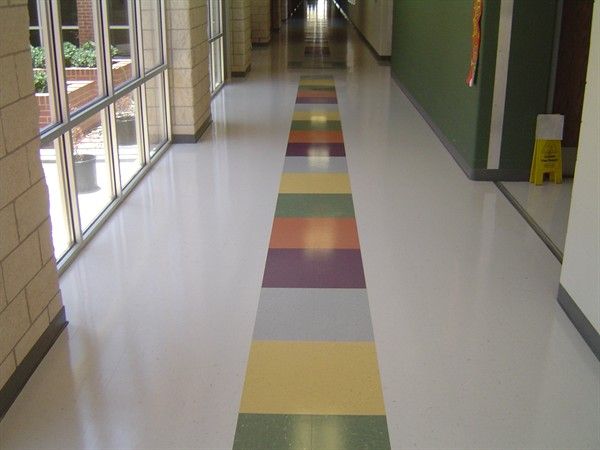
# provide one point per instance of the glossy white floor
(548, 205)
(474, 351)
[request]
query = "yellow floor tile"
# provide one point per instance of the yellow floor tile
(317, 116)
(315, 183)
(285, 377)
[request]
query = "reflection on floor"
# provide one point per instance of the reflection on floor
(548, 205)
(474, 352)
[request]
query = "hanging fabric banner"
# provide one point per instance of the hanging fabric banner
(475, 41)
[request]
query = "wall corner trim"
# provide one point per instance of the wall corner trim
(587, 331)
(17, 381)
(192, 138)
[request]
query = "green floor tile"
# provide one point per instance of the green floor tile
(272, 431)
(314, 205)
(307, 125)
(350, 433)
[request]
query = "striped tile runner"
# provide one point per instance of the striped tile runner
(312, 380)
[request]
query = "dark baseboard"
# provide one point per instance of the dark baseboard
(17, 381)
(472, 173)
(557, 252)
(242, 74)
(192, 138)
(587, 331)
(384, 60)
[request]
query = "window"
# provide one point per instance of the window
(100, 75)
(215, 42)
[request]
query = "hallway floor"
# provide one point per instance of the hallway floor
(473, 350)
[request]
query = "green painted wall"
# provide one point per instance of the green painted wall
(431, 49)
(430, 56)
(528, 79)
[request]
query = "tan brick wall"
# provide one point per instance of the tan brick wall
(241, 36)
(29, 293)
(187, 44)
(261, 21)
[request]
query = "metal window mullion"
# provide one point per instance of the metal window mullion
(134, 31)
(50, 15)
(141, 123)
(145, 124)
(67, 145)
(83, 114)
(165, 77)
(109, 123)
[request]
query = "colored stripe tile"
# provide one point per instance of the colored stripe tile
(312, 378)
(316, 125)
(315, 164)
(316, 93)
(315, 149)
(303, 431)
(314, 183)
(316, 100)
(314, 268)
(273, 432)
(316, 108)
(320, 205)
(316, 82)
(314, 232)
(313, 315)
(350, 433)
(316, 116)
(316, 137)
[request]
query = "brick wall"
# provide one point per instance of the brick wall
(261, 21)
(241, 24)
(85, 21)
(29, 294)
(187, 44)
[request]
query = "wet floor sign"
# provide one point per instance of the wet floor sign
(547, 153)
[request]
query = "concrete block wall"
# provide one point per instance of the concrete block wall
(29, 294)
(241, 36)
(187, 43)
(261, 21)
(276, 14)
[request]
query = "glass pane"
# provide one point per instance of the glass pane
(214, 18)
(216, 64)
(155, 113)
(151, 32)
(91, 168)
(61, 229)
(129, 149)
(80, 55)
(43, 79)
(121, 40)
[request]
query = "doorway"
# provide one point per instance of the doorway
(547, 207)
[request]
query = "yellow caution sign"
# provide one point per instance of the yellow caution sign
(547, 153)
(547, 159)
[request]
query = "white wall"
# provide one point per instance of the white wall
(374, 20)
(581, 264)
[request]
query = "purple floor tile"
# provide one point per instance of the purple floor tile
(314, 268)
(307, 149)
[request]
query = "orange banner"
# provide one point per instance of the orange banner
(475, 41)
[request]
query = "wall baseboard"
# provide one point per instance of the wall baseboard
(384, 60)
(192, 138)
(472, 173)
(17, 381)
(587, 331)
(242, 74)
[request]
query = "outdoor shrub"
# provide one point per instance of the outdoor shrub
(37, 57)
(84, 56)
(40, 81)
